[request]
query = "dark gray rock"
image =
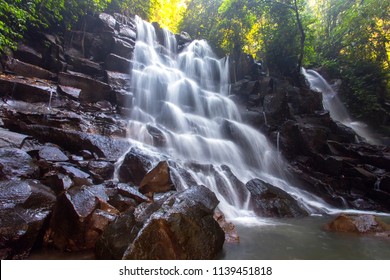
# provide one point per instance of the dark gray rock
(118, 80)
(24, 209)
(9, 139)
(123, 48)
(49, 153)
(28, 70)
(270, 201)
(85, 66)
(16, 163)
(26, 89)
(131, 192)
(135, 166)
(91, 90)
(102, 170)
(182, 227)
(80, 216)
(117, 63)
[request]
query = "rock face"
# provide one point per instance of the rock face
(181, 227)
(324, 157)
(361, 224)
(270, 201)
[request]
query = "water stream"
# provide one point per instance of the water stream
(336, 108)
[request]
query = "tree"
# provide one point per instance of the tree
(354, 43)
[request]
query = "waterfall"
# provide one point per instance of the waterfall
(184, 97)
(333, 104)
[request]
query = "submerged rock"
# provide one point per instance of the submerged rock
(362, 224)
(181, 226)
(270, 201)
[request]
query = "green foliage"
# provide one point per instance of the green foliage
(353, 41)
(141, 8)
(16, 16)
(200, 19)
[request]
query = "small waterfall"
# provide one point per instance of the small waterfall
(333, 104)
(185, 97)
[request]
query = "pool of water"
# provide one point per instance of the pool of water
(303, 239)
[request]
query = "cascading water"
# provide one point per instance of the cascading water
(185, 98)
(333, 104)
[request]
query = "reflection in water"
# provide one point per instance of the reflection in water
(303, 239)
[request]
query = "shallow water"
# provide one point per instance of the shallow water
(303, 239)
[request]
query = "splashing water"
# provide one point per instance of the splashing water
(333, 104)
(184, 98)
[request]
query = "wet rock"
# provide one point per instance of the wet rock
(28, 54)
(71, 92)
(183, 227)
(131, 192)
(84, 66)
(108, 21)
(384, 183)
(26, 89)
(76, 223)
(79, 178)
(362, 224)
(123, 48)
(57, 181)
(135, 166)
(9, 139)
(106, 147)
(128, 32)
(102, 170)
(124, 99)
(157, 180)
(115, 238)
(16, 163)
(159, 139)
(28, 70)
(117, 63)
(231, 234)
(24, 209)
(49, 153)
(91, 90)
(275, 106)
(270, 201)
(118, 80)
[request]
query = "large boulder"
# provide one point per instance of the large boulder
(270, 201)
(24, 209)
(135, 165)
(181, 226)
(80, 216)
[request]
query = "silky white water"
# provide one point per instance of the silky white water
(184, 97)
(336, 108)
